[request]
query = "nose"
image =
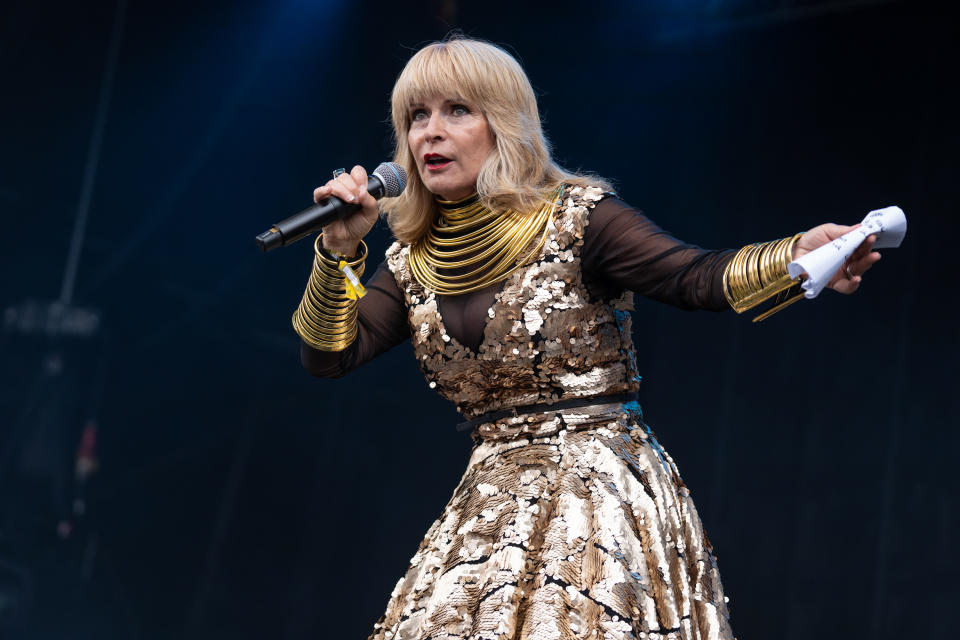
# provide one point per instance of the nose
(434, 129)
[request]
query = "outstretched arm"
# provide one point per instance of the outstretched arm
(625, 248)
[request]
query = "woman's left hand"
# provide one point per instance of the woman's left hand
(850, 275)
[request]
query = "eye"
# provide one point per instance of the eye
(418, 114)
(459, 110)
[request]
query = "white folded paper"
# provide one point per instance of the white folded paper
(889, 225)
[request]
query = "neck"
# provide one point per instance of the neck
(469, 211)
(453, 205)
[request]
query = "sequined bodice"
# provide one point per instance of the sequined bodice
(545, 338)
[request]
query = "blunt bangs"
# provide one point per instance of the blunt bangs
(465, 69)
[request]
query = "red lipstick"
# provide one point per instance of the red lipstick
(435, 161)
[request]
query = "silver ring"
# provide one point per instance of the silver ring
(338, 172)
(850, 275)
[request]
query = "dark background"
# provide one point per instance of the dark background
(238, 497)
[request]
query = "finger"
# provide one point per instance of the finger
(321, 192)
(858, 254)
(359, 175)
(847, 286)
(344, 187)
(865, 248)
(861, 266)
(334, 187)
(834, 231)
(866, 245)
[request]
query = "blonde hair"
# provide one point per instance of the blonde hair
(519, 172)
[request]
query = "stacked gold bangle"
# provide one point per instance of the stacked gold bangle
(327, 318)
(757, 273)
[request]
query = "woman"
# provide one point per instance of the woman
(571, 521)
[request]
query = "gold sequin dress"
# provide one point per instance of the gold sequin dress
(567, 524)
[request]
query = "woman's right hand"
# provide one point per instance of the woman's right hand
(343, 236)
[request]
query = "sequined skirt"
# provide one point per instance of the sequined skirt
(565, 525)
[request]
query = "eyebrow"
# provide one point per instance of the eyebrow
(456, 100)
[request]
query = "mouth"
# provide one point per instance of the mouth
(435, 162)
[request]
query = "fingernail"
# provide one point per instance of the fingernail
(352, 198)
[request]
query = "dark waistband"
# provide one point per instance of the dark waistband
(543, 407)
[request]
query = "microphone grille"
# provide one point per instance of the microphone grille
(393, 177)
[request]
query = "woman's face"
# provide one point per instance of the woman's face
(450, 140)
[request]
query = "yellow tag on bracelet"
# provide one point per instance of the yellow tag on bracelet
(355, 290)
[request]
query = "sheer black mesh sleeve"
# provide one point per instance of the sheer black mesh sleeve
(382, 325)
(623, 247)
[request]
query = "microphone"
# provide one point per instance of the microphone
(388, 180)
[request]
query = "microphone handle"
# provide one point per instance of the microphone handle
(314, 218)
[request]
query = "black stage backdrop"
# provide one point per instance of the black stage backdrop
(236, 497)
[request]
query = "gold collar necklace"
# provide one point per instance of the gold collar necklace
(469, 247)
